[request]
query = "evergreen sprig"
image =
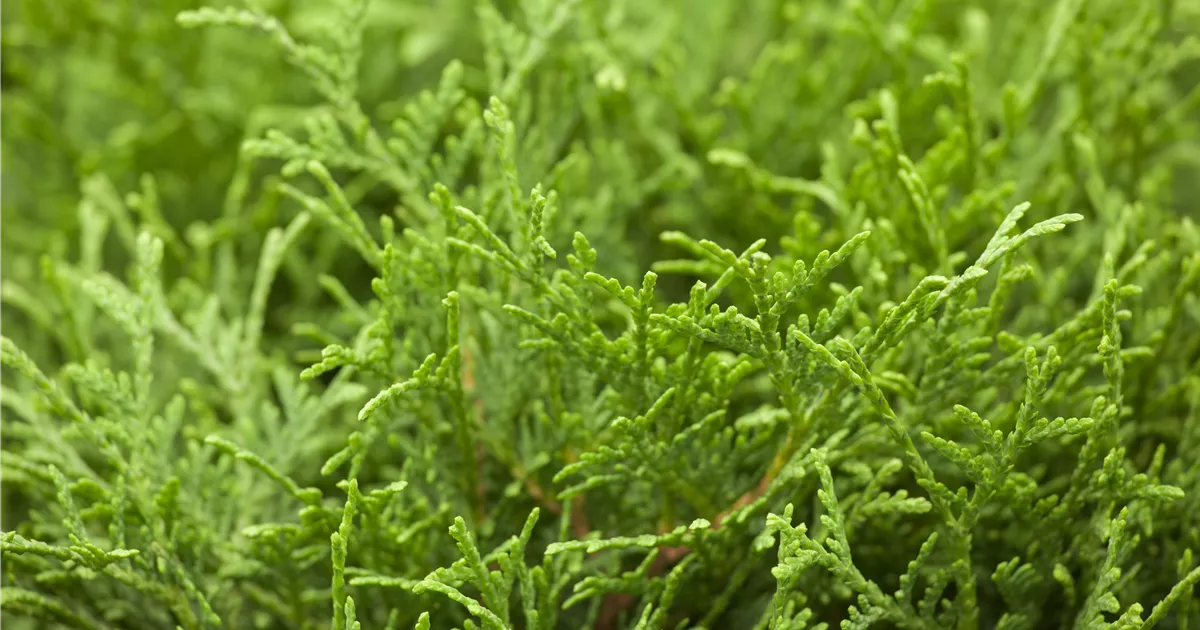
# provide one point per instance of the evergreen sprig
(559, 314)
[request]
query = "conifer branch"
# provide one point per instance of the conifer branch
(614, 315)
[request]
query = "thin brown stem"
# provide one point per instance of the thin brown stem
(617, 603)
(468, 382)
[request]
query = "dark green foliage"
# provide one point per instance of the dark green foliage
(577, 314)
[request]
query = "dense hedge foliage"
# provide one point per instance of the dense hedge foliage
(605, 314)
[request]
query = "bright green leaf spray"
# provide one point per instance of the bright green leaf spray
(615, 315)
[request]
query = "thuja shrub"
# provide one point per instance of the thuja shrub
(550, 314)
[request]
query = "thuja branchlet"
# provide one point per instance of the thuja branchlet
(562, 314)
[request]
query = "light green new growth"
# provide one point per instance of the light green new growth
(542, 314)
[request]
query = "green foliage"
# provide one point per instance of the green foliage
(561, 313)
